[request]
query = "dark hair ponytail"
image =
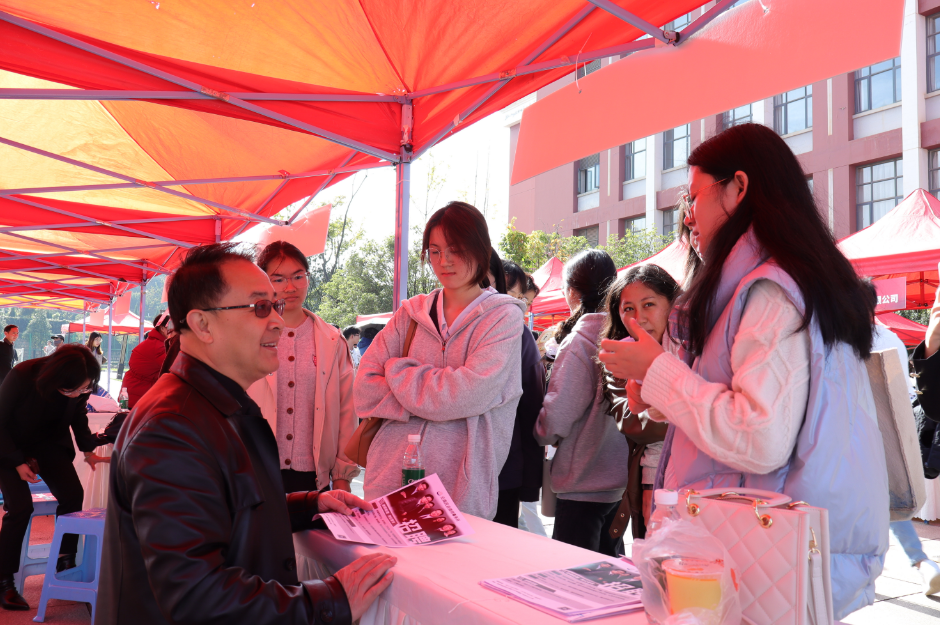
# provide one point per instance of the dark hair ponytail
(589, 273)
(782, 213)
(496, 268)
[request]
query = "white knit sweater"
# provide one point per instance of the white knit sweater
(752, 426)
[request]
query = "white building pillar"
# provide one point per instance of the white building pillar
(654, 180)
(913, 89)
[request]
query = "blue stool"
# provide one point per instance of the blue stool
(33, 558)
(80, 583)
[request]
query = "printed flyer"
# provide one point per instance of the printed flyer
(420, 513)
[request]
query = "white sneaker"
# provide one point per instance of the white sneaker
(930, 573)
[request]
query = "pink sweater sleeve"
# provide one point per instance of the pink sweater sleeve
(751, 426)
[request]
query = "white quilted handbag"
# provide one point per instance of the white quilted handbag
(779, 549)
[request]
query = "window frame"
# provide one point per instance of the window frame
(933, 172)
(781, 108)
(869, 205)
(864, 82)
(933, 24)
(579, 232)
(669, 150)
(627, 224)
(734, 120)
(630, 158)
(584, 177)
(672, 224)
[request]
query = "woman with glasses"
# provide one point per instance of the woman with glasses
(763, 381)
(308, 400)
(40, 400)
(459, 382)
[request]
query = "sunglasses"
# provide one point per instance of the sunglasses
(262, 307)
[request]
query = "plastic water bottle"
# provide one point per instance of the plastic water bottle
(667, 502)
(412, 469)
(122, 398)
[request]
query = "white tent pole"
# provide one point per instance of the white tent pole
(143, 296)
(402, 193)
(110, 334)
(84, 312)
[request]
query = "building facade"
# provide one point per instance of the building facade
(865, 139)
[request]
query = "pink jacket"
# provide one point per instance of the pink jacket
(333, 403)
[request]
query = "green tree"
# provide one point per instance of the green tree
(39, 331)
(634, 247)
(531, 251)
(921, 316)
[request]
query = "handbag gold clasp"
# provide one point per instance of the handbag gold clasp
(693, 508)
(813, 547)
(764, 519)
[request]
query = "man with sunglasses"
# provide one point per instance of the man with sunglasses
(198, 526)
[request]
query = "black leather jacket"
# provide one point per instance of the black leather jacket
(198, 529)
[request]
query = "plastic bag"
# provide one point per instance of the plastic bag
(696, 567)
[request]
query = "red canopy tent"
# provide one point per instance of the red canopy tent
(124, 323)
(120, 113)
(910, 332)
(904, 243)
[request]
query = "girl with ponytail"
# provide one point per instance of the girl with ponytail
(589, 471)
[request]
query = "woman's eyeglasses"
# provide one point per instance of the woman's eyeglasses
(262, 307)
(689, 201)
(79, 391)
(298, 279)
(435, 255)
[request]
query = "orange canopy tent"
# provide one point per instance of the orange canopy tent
(904, 243)
(132, 130)
(773, 45)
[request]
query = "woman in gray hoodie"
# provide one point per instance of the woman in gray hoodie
(460, 382)
(589, 471)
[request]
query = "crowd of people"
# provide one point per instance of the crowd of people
(749, 374)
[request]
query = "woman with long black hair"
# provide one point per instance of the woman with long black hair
(589, 470)
(94, 344)
(40, 400)
(769, 388)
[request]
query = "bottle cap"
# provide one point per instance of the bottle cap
(414, 438)
(664, 497)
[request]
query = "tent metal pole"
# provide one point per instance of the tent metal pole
(402, 196)
(103, 95)
(140, 183)
(84, 312)
(705, 19)
(630, 18)
(143, 298)
(110, 335)
(325, 184)
(74, 251)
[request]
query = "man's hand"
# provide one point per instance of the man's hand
(364, 579)
(26, 474)
(342, 485)
(342, 502)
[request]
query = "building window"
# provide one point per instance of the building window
(635, 225)
(591, 233)
(635, 159)
(878, 189)
(670, 221)
(933, 51)
(588, 68)
(675, 147)
(589, 172)
(740, 115)
(933, 172)
(878, 85)
(679, 23)
(793, 110)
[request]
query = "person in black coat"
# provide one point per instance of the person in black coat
(40, 400)
(8, 356)
(198, 527)
(521, 476)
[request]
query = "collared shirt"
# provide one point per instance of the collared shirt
(447, 331)
(296, 388)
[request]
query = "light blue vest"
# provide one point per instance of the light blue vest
(838, 462)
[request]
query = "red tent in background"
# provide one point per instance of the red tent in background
(126, 323)
(551, 300)
(903, 243)
(672, 258)
(382, 318)
(910, 332)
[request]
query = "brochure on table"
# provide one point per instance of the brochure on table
(420, 513)
(589, 591)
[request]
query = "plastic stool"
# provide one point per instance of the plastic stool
(80, 583)
(33, 558)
